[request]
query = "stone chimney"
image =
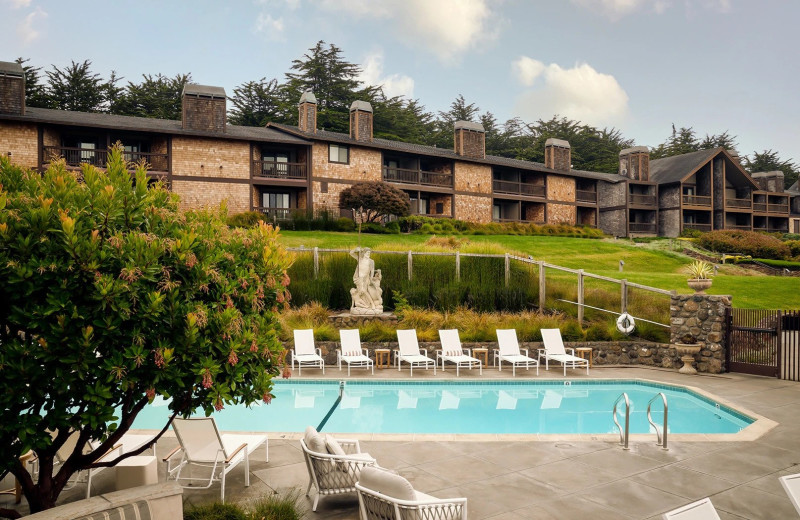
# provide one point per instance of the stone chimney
(470, 139)
(634, 163)
(12, 88)
(204, 108)
(557, 155)
(308, 112)
(361, 121)
(769, 181)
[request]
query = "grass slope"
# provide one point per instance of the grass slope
(643, 264)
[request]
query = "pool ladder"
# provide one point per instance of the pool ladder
(624, 433)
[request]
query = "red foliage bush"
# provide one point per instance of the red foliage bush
(757, 245)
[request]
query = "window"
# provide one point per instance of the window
(338, 154)
(275, 200)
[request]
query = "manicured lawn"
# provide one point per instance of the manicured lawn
(657, 268)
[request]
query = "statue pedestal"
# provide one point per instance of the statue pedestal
(348, 320)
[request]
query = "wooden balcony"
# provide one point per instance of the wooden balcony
(641, 200)
(642, 227)
(699, 227)
(778, 208)
(760, 207)
(738, 228)
(76, 157)
(697, 200)
(739, 203)
(280, 170)
(519, 188)
(421, 177)
(275, 213)
(586, 196)
(502, 220)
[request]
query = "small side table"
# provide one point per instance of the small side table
(482, 352)
(136, 471)
(382, 357)
(582, 352)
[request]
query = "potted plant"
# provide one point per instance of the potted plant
(687, 349)
(700, 273)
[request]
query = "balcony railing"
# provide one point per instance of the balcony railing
(779, 229)
(417, 177)
(519, 188)
(696, 200)
(642, 227)
(518, 220)
(778, 208)
(586, 196)
(276, 213)
(431, 215)
(280, 170)
(699, 227)
(75, 157)
(642, 200)
(738, 228)
(760, 206)
(739, 203)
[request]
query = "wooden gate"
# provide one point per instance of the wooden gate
(764, 342)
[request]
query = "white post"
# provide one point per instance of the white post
(542, 286)
(410, 264)
(508, 269)
(458, 266)
(316, 263)
(624, 296)
(580, 296)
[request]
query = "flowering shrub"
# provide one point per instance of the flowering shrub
(751, 243)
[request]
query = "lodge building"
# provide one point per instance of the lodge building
(280, 169)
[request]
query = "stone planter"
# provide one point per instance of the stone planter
(687, 352)
(699, 284)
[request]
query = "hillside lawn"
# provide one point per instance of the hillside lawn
(649, 264)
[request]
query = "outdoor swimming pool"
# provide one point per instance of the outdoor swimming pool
(489, 407)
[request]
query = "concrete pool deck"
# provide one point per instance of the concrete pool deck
(560, 477)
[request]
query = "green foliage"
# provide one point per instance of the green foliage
(794, 248)
(770, 160)
(272, 507)
(598, 332)
(112, 296)
(255, 103)
(757, 245)
(216, 511)
(440, 226)
(35, 92)
(156, 96)
(691, 233)
(781, 264)
(699, 270)
(77, 88)
(376, 200)
(685, 140)
(572, 331)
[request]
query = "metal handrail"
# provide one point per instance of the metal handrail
(623, 435)
(661, 437)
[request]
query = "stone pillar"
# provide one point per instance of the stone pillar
(701, 316)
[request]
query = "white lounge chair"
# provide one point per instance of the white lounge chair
(508, 350)
(351, 351)
(204, 447)
(386, 496)
(333, 465)
(554, 350)
(409, 351)
(700, 510)
(304, 352)
(791, 484)
(454, 353)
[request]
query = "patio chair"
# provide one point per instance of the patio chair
(409, 351)
(508, 350)
(304, 352)
(554, 350)
(351, 351)
(383, 495)
(700, 510)
(204, 447)
(454, 353)
(333, 464)
(791, 484)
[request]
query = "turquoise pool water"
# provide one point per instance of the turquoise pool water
(468, 407)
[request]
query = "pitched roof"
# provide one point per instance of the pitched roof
(150, 125)
(675, 168)
(433, 151)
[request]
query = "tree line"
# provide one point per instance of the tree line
(324, 70)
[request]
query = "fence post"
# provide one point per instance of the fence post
(580, 296)
(316, 262)
(542, 285)
(508, 270)
(623, 297)
(458, 266)
(410, 265)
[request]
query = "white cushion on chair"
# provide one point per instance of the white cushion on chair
(314, 440)
(386, 483)
(333, 446)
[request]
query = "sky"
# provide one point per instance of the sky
(637, 65)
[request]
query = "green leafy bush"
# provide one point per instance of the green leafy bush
(216, 511)
(572, 331)
(757, 245)
(598, 332)
(428, 225)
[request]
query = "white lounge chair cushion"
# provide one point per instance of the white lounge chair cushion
(314, 440)
(387, 483)
(333, 446)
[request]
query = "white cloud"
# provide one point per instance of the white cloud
(447, 28)
(265, 23)
(26, 30)
(19, 4)
(393, 84)
(616, 9)
(579, 92)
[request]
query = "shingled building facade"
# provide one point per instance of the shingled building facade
(281, 169)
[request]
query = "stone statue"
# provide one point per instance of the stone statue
(367, 294)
